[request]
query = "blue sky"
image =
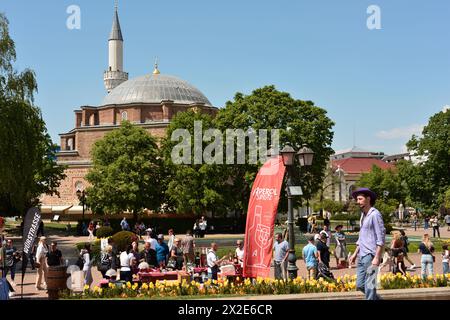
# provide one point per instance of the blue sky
(381, 84)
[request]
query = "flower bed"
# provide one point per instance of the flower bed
(259, 286)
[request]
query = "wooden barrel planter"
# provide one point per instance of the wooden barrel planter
(56, 281)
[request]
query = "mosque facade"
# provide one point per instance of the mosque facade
(149, 101)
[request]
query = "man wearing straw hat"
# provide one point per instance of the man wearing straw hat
(370, 243)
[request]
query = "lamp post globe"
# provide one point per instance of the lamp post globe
(305, 156)
(288, 153)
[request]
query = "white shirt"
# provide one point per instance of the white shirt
(211, 258)
(41, 251)
(445, 256)
(87, 261)
(203, 225)
(170, 242)
(125, 261)
(434, 222)
(153, 242)
(240, 255)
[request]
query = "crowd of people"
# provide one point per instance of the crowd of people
(177, 254)
(173, 252)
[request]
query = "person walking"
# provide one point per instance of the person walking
(91, 230)
(41, 264)
(414, 221)
(87, 265)
(310, 256)
(11, 257)
(323, 249)
(203, 225)
(370, 243)
(196, 228)
(435, 225)
(340, 251)
(447, 221)
(426, 221)
(405, 241)
(445, 258)
(281, 248)
(124, 225)
(427, 260)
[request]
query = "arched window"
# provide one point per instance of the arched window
(79, 186)
(124, 116)
(92, 120)
(70, 144)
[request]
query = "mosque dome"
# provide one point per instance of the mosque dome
(153, 88)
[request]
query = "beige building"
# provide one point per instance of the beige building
(149, 101)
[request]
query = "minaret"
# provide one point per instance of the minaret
(115, 74)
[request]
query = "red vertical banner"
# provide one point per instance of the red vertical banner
(262, 210)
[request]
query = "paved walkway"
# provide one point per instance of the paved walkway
(67, 246)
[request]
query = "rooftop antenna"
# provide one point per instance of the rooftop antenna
(116, 4)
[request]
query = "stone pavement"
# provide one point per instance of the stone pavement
(67, 246)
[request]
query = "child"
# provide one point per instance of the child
(400, 264)
(445, 257)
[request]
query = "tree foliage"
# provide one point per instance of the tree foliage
(27, 154)
(379, 181)
(193, 188)
(126, 172)
(430, 179)
(300, 122)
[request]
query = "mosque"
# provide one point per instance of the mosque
(149, 101)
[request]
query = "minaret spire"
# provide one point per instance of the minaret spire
(115, 75)
(156, 70)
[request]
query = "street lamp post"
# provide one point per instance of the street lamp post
(305, 156)
(82, 197)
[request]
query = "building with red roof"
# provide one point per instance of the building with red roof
(346, 168)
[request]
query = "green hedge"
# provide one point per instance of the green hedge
(123, 239)
(104, 232)
(179, 224)
(343, 217)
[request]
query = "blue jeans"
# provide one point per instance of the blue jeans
(427, 265)
(445, 267)
(13, 271)
(362, 277)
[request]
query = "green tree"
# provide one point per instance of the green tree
(447, 199)
(433, 173)
(191, 187)
(126, 172)
(27, 154)
(329, 205)
(379, 181)
(300, 122)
